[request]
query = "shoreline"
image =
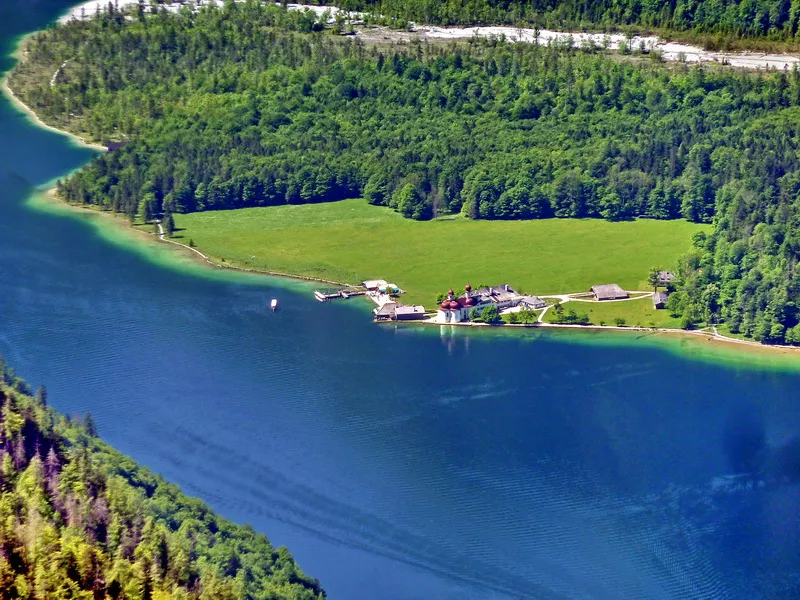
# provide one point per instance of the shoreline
(31, 115)
(48, 195)
(198, 257)
(718, 340)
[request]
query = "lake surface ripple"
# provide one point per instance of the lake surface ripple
(400, 463)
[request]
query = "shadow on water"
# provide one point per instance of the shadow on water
(750, 454)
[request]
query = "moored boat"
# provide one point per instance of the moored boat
(274, 304)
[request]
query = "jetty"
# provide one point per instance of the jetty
(340, 294)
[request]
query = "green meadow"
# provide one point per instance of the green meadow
(635, 313)
(350, 241)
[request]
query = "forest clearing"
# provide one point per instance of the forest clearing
(350, 241)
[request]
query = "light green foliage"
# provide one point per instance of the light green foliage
(489, 315)
(652, 277)
(566, 316)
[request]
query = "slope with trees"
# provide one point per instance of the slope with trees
(80, 520)
(727, 19)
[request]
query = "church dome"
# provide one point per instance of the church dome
(468, 288)
(451, 293)
(445, 305)
(470, 301)
(453, 305)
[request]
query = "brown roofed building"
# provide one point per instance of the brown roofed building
(660, 300)
(608, 291)
(409, 313)
(665, 278)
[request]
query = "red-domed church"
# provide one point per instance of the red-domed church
(457, 310)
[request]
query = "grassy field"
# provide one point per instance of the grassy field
(637, 313)
(350, 241)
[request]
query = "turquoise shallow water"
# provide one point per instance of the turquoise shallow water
(401, 463)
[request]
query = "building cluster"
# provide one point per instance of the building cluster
(464, 307)
(458, 309)
(384, 294)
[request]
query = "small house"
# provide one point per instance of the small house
(608, 291)
(409, 313)
(111, 146)
(532, 302)
(665, 278)
(660, 300)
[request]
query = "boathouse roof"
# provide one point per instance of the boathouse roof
(387, 309)
(409, 310)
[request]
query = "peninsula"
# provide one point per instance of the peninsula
(468, 137)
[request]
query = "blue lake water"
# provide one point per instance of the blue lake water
(400, 463)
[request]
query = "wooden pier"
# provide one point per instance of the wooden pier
(343, 294)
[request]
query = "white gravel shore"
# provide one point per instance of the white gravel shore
(671, 51)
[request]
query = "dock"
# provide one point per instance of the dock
(343, 294)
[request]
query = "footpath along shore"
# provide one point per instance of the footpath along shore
(709, 334)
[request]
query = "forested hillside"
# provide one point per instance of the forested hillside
(252, 105)
(80, 520)
(236, 108)
(775, 19)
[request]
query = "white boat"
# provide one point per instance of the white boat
(274, 304)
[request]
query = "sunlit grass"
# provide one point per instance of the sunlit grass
(350, 241)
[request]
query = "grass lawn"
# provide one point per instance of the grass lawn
(350, 241)
(635, 312)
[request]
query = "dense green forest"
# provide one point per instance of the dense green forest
(80, 520)
(774, 19)
(235, 107)
(253, 105)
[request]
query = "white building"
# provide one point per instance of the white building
(458, 310)
(532, 302)
(374, 284)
